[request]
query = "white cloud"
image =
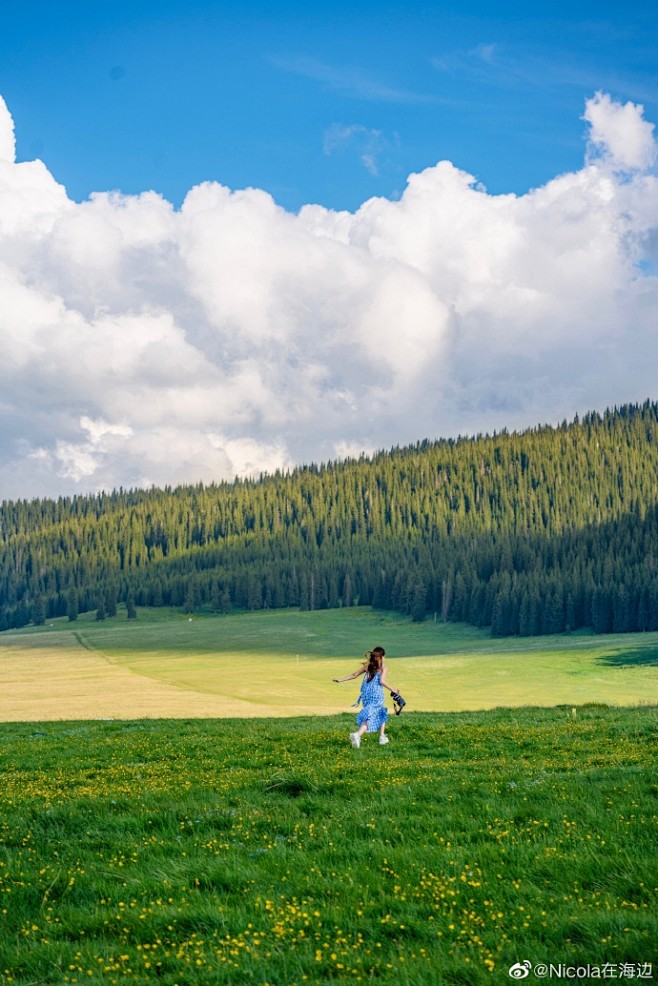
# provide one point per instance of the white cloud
(145, 345)
(619, 133)
(7, 138)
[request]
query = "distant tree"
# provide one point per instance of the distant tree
(446, 598)
(304, 594)
(215, 598)
(529, 614)
(39, 611)
(131, 612)
(110, 601)
(156, 597)
(72, 605)
(191, 596)
(22, 614)
(553, 612)
(347, 590)
(643, 611)
(417, 597)
(601, 611)
(621, 617)
(500, 620)
(381, 595)
(254, 591)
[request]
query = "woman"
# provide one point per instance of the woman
(373, 715)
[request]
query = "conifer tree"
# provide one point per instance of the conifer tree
(72, 605)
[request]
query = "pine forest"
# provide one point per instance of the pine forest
(538, 532)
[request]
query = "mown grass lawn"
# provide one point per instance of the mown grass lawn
(267, 851)
(281, 662)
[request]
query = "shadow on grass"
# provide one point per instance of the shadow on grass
(642, 657)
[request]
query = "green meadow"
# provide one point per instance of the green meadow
(281, 662)
(180, 804)
(267, 851)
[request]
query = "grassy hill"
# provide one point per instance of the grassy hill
(205, 853)
(281, 662)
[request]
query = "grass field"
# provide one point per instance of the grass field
(280, 663)
(189, 851)
(267, 851)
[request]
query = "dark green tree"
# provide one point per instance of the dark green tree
(39, 611)
(72, 605)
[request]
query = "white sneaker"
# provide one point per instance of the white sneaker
(355, 740)
(383, 740)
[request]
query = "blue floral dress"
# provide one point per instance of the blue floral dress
(374, 712)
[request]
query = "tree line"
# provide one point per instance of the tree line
(536, 532)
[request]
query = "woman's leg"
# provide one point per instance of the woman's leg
(355, 738)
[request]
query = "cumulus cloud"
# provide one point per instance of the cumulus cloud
(619, 134)
(147, 345)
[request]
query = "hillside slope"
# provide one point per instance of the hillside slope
(529, 533)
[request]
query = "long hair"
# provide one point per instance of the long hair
(374, 662)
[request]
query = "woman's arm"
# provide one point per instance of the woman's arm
(383, 680)
(348, 677)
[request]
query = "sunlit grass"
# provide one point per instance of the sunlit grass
(280, 663)
(269, 851)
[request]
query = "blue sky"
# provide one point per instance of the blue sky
(327, 103)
